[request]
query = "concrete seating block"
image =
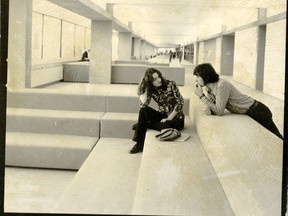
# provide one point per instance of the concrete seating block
(177, 178)
(47, 150)
(125, 73)
(56, 101)
(130, 104)
(76, 72)
(142, 62)
(118, 124)
(247, 159)
(53, 121)
(106, 182)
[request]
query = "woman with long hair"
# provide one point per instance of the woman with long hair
(169, 113)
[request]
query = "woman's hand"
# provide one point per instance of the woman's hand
(198, 90)
(164, 120)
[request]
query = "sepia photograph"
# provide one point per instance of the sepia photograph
(143, 107)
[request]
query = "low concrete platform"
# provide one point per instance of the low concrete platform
(177, 178)
(132, 74)
(47, 150)
(106, 182)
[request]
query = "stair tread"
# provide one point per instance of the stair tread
(108, 178)
(52, 140)
(119, 116)
(177, 178)
(53, 113)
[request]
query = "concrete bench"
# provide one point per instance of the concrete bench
(106, 182)
(141, 62)
(177, 178)
(51, 151)
(246, 157)
(39, 99)
(53, 121)
(76, 72)
(132, 74)
(50, 138)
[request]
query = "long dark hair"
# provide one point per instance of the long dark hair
(206, 72)
(147, 82)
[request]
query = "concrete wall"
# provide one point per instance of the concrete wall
(50, 73)
(227, 55)
(124, 45)
(218, 54)
(207, 52)
(245, 57)
(274, 69)
(58, 35)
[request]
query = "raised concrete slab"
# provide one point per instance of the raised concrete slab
(132, 74)
(177, 178)
(106, 182)
(130, 104)
(247, 159)
(76, 72)
(37, 99)
(141, 62)
(118, 124)
(53, 121)
(47, 150)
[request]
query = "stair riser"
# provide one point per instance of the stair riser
(131, 104)
(117, 128)
(57, 102)
(71, 126)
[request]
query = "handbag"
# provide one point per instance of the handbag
(168, 134)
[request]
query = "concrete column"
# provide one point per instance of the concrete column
(19, 44)
(143, 49)
(124, 45)
(137, 48)
(101, 52)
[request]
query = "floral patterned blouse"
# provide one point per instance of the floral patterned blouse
(168, 100)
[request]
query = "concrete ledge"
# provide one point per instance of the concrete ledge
(125, 73)
(118, 124)
(76, 72)
(246, 157)
(47, 150)
(56, 101)
(130, 104)
(106, 182)
(53, 121)
(177, 178)
(141, 62)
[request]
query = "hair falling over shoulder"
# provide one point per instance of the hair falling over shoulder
(147, 80)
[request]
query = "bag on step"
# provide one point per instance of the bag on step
(168, 134)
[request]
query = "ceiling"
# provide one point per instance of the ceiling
(174, 22)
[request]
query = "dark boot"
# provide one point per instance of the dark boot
(136, 148)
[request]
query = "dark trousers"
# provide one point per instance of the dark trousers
(150, 119)
(262, 114)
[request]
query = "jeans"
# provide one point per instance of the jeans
(262, 114)
(150, 119)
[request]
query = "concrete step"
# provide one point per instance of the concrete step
(247, 159)
(39, 99)
(47, 150)
(117, 102)
(53, 121)
(106, 182)
(177, 178)
(118, 124)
